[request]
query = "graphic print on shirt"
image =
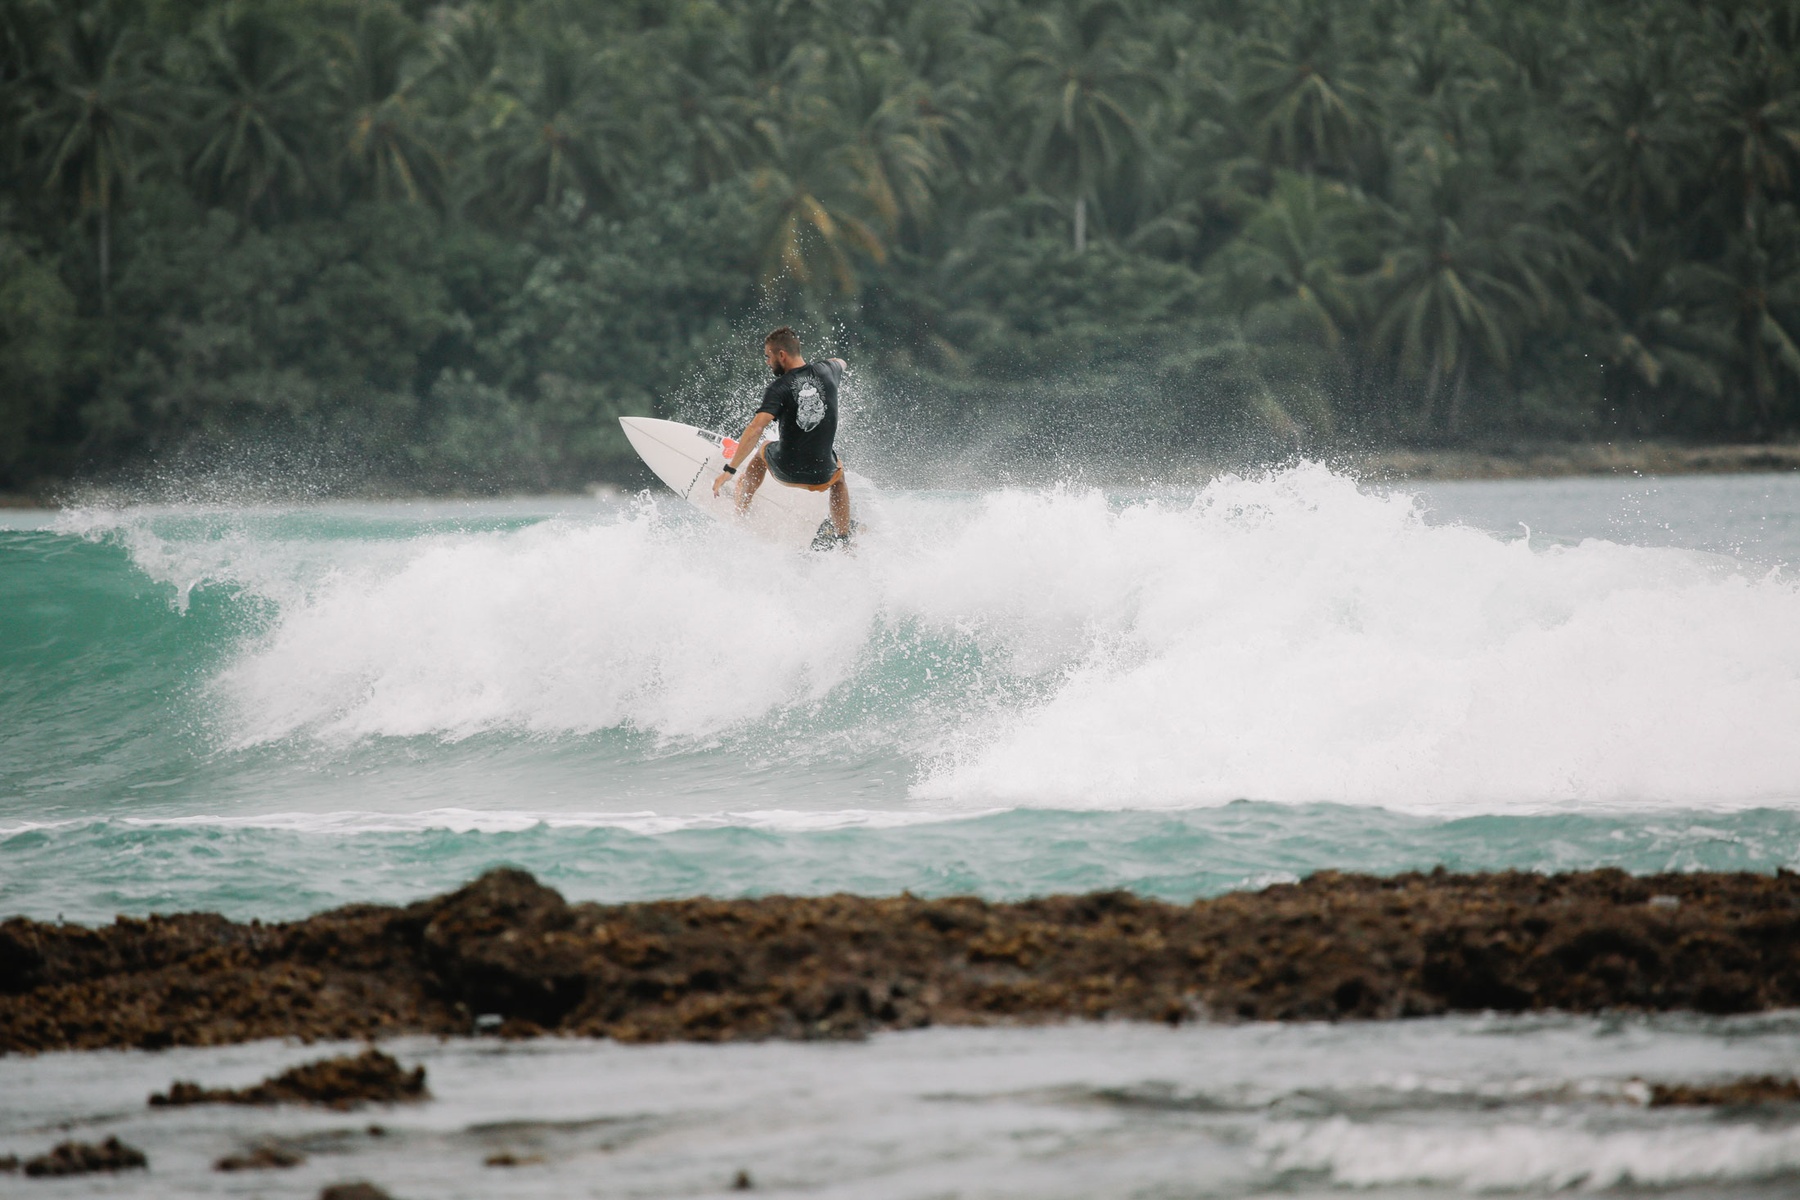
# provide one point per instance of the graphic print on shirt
(812, 406)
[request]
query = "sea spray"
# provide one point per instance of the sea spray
(1293, 638)
(1286, 637)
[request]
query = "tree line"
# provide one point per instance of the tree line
(453, 240)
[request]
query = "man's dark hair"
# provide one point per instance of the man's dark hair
(784, 340)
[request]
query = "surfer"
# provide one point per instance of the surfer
(802, 402)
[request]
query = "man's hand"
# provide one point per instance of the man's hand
(744, 451)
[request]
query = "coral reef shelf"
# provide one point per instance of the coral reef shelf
(506, 955)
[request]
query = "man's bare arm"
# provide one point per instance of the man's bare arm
(745, 448)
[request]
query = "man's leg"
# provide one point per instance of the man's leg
(754, 471)
(840, 506)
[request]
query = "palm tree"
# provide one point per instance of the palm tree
(1294, 266)
(469, 44)
(898, 131)
(1534, 43)
(711, 87)
(97, 106)
(465, 85)
(562, 130)
(1752, 115)
(386, 144)
(1306, 111)
(1203, 174)
(1462, 281)
(1635, 135)
(765, 43)
(1079, 86)
(1646, 312)
(253, 110)
(1756, 293)
(22, 37)
(814, 201)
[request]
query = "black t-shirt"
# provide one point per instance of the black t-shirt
(804, 405)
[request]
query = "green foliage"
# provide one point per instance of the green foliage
(251, 112)
(455, 238)
(37, 345)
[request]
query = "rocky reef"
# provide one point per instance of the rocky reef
(341, 1083)
(509, 956)
(86, 1158)
(266, 1157)
(1752, 1089)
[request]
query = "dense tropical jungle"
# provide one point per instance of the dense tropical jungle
(450, 241)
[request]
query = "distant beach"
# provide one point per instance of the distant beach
(1525, 460)
(1554, 460)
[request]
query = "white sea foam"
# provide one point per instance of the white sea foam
(469, 820)
(1514, 1157)
(1289, 637)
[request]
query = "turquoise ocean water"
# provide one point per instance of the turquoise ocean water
(267, 709)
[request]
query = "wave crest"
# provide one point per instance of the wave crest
(1286, 637)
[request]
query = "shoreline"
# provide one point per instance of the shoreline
(507, 955)
(1579, 459)
(1526, 460)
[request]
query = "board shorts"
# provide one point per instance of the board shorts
(772, 461)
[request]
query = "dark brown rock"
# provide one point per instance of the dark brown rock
(354, 1191)
(341, 1083)
(260, 1158)
(500, 945)
(9, 1163)
(513, 954)
(1756, 1089)
(86, 1158)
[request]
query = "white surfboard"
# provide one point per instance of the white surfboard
(689, 459)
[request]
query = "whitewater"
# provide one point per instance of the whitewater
(269, 708)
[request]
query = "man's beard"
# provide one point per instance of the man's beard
(776, 371)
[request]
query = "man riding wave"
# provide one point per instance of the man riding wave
(802, 402)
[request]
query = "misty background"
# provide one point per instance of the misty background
(444, 245)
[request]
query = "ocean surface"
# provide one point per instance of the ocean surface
(266, 710)
(269, 709)
(1415, 1109)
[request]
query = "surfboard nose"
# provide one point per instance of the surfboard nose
(643, 434)
(634, 430)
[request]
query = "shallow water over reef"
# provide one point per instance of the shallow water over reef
(1443, 1107)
